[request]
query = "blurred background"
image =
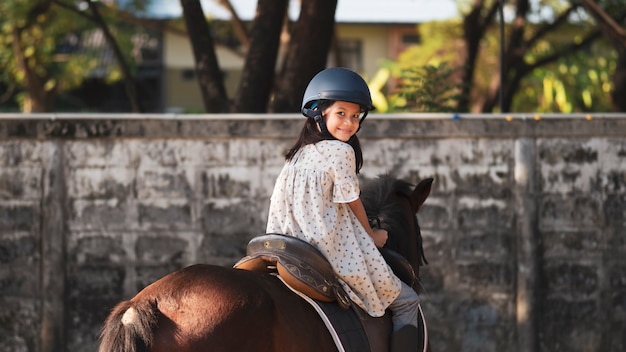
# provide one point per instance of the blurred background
(239, 56)
(141, 136)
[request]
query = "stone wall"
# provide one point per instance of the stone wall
(524, 229)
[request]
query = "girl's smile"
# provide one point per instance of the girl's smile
(342, 119)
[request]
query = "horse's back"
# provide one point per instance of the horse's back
(212, 308)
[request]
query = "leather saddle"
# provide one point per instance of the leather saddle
(306, 269)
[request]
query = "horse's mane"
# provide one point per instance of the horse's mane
(388, 215)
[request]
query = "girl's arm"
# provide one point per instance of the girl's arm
(378, 235)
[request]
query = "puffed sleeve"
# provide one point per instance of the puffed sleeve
(345, 181)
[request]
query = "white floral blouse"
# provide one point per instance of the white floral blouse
(309, 202)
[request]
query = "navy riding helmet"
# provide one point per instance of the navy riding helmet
(336, 83)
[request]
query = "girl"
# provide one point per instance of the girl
(316, 198)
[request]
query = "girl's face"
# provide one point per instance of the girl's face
(342, 119)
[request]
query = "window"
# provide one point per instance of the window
(188, 75)
(349, 54)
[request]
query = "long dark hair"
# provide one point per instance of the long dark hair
(310, 134)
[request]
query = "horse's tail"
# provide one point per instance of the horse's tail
(129, 327)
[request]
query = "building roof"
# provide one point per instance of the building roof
(348, 11)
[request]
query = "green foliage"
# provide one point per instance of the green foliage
(427, 75)
(39, 42)
(579, 82)
(429, 88)
(60, 45)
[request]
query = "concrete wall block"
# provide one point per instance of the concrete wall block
(488, 326)
(561, 212)
(234, 217)
(20, 324)
(613, 181)
(21, 153)
(431, 278)
(569, 166)
(19, 269)
(616, 241)
(435, 214)
(166, 183)
(614, 208)
(617, 276)
(228, 227)
(477, 213)
(246, 152)
(156, 249)
(489, 312)
(203, 152)
(228, 182)
(101, 182)
(103, 214)
(444, 331)
(580, 337)
(573, 244)
(159, 153)
(484, 245)
(483, 275)
(231, 151)
(395, 154)
(613, 165)
(438, 244)
(20, 183)
(573, 280)
(19, 216)
(563, 310)
(101, 153)
(175, 214)
(95, 280)
(489, 181)
(224, 249)
(90, 248)
(84, 322)
(617, 302)
(21, 248)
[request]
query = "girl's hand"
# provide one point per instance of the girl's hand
(380, 237)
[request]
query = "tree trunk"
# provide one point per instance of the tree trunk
(513, 58)
(259, 70)
(307, 53)
(618, 101)
(474, 28)
(39, 99)
(208, 71)
(238, 25)
(611, 28)
(129, 82)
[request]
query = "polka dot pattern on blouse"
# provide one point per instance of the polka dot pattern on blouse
(309, 202)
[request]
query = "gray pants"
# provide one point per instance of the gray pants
(404, 309)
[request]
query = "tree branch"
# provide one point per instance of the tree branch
(568, 49)
(549, 27)
(611, 27)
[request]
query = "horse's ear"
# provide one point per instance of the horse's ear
(421, 192)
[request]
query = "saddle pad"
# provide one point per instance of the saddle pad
(347, 325)
(343, 324)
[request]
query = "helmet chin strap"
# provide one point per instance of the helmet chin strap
(361, 121)
(317, 117)
(320, 122)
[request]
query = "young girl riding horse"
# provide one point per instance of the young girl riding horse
(317, 199)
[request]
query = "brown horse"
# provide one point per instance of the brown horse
(213, 308)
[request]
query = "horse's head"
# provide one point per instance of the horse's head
(393, 204)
